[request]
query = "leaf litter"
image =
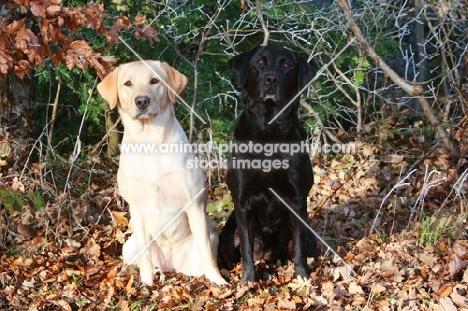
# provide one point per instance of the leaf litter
(67, 254)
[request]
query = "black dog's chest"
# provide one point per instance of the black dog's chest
(269, 212)
(254, 124)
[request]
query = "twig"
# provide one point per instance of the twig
(425, 188)
(457, 188)
(424, 156)
(311, 111)
(52, 119)
(427, 185)
(401, 183)
(74, 156)
(262, 21)
(108, 133)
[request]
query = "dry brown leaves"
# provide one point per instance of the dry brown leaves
(66, 256)
(22, 48)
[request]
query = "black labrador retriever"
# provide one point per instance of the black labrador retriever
(262, 157)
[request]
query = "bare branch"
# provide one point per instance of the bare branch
(262, 21)
(415, 90)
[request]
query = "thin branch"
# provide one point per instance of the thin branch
(316, 116)
(52, 119)
(262, 21)
(104, 138)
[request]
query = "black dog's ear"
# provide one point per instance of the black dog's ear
(306, 72)
(239, 66)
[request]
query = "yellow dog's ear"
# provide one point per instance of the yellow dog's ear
(176, 80)
(108, 88)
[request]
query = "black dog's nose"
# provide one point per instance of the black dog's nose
(142, 102)
(271, 78)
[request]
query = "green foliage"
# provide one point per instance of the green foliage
(15, 200)
(198, 38)
(13, 251)
(221, 208)
(36, 199)
(189, 39)
(75, 98)
(434, 227)
(11, 200)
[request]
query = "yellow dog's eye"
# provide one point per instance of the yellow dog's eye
(154, 81)
(128, 83)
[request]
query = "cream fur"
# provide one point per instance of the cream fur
(158, 185)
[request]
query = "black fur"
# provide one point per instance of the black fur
(261, 226)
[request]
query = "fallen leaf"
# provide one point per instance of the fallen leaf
(392, 158)
(120, 218)
(286, 304)
(342, 271)
(129, 289)
(354, 289)
(140, 19)
(63, 304)
(445, 290)
(91, 249)
(465, 276)
(383, 303)
(378, 288)
(459, 300)
(328, 290)
(456, 265)
(359, 301)
(428, 259)
(387, 273)
(120, 236)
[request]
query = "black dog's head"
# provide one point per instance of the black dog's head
(270, 73)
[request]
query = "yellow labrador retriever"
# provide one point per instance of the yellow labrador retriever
(171, 231)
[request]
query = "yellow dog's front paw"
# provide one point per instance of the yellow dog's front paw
(215, 277)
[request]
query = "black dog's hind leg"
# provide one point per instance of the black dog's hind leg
(228, 247)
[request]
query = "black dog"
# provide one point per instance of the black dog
(268, 78)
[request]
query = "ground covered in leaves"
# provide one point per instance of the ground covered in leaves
(393, 239)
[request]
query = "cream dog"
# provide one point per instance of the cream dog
(171, 231)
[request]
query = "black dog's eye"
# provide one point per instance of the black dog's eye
(128, 83)
(286, 66)
(154, 81)
(260, 62)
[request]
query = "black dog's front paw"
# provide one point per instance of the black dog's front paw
(248, 275)
(302, 271)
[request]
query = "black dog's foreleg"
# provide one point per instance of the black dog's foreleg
(299, 235)
(245, 222)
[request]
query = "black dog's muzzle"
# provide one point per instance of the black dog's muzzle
(271, 86)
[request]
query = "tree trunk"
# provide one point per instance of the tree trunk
(15, 102)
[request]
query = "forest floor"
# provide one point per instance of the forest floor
(402, 234)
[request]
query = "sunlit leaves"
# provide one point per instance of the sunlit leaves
(55, 39)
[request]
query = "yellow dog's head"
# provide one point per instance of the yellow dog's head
(142, 89)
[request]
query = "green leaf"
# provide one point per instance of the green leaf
(39, 203)
(359, 77)
(226, 199)
(217, 191)
(18, 203)
(211, 208)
